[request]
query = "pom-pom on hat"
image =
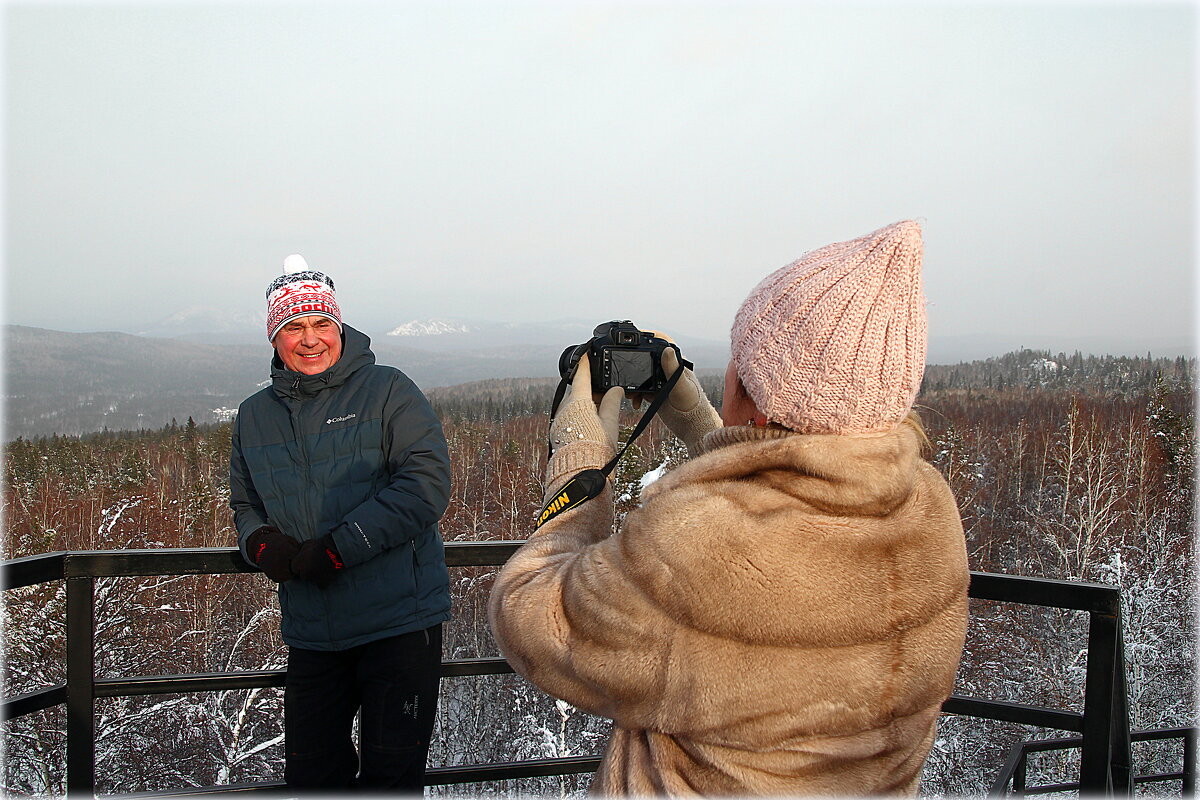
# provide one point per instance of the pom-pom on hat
(835, 342)
(300, 292)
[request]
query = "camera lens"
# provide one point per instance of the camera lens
(568, 359)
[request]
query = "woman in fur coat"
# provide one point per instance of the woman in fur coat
(784, 613)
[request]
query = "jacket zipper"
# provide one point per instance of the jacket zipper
(416, 568)
(301, 448)
(310, 518)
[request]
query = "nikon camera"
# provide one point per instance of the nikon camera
(619, 355)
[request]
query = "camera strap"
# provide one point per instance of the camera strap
(590, 483)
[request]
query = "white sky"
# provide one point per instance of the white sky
(531, 161)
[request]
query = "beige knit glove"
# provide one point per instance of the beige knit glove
(582, 434)
(687, 412)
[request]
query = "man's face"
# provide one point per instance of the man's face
(309, 345)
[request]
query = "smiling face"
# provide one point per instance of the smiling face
(309, 345)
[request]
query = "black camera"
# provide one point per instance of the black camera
(620, 355)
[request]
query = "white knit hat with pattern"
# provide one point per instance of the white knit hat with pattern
(300, 292)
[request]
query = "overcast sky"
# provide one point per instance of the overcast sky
(653, 161)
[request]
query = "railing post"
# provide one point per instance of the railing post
(1105, 720)
(81, 677)
(1120, 749)
(1019, 774)
(1189, 762)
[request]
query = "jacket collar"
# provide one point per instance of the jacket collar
(356, 353)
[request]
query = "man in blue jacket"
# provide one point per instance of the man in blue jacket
(339, 474)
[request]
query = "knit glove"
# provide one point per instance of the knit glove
(318, 561)
(582, 434)
(272, 551)
(687, 412)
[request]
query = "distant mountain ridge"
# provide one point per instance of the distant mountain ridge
(442, 334)
(72, 383)
(75, 383)
(437, 334)
(202, 320)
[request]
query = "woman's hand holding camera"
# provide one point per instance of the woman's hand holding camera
(583, 435)
(583, 416)
(687, 412)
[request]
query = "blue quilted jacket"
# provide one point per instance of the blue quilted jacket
(355, 451)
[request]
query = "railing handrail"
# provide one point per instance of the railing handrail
(1103, 723)
(23, 571)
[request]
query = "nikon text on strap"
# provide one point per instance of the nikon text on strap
(590, 483)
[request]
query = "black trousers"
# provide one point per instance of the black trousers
(394, 682)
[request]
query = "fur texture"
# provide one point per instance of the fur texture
(783, 615)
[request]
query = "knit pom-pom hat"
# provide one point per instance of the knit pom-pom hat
(300, 292)
(835, 342)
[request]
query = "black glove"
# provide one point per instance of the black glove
(273, 550)
(318, 561)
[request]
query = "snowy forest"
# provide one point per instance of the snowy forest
(1069, 467)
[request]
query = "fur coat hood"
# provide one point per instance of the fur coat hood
(782, 615)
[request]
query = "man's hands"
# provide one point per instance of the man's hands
(581, 417)
(282, 558)
(273, 550)
(318, 561)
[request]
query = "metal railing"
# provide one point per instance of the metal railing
(1103, 724)
(1014, 774)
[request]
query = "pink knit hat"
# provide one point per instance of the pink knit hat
(835, 342)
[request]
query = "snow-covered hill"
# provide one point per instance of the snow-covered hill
(430, 327)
